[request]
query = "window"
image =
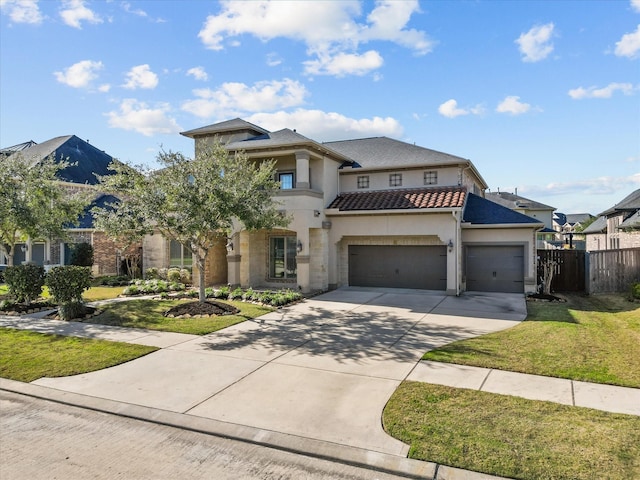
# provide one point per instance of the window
(431, 178)
(286, 180)
(395, 180)
(363, 181)
(179, 256)
(282, 257)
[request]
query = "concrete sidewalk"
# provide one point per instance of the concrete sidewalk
(608, 398)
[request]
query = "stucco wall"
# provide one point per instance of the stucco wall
(410, 178)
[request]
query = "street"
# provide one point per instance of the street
(40, 439)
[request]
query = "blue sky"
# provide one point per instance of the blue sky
(542, 96)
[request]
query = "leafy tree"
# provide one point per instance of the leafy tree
(193, 201)
(81, 254)
(33, 202)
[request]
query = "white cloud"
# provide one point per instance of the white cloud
(327, 126)
(329, 29)
(273, 59)
(139, 117)
(198, 73)
(343, 64)
(22, 11)
(104, 88)
(235, 99)
(73, 12)
(605, 92)
(513, 106)
(629, 44)
(590, 186)
(126, 6)
(450, 109)
(535, 45)
(635, 5)
(141, 76)
(79, 75)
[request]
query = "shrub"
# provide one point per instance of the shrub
(81, 255)
(248, 295)
(173, 275)
(236, 294)
(66, 285)
(222, 292)
(113, 281)
(131, 290)
(635, 291)
(152, 273)
(193, 294)
(185, 276)
(25, 282)
(162, 273)
(6, 304)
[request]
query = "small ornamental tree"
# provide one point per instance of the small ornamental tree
(25, 282)
(195, 202)
(82, 255)
(33, 202)
(66, 285)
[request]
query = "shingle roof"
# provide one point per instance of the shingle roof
(633, 222)
(480, 211)
(514, 201)
(88, 159)
(86, 219)
(630, 202)
(573, 218)
(386, 152)
(235, 125)
(598, 226)
(402, 199)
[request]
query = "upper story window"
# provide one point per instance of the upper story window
(286, 180)
(431, 178)
(395, 180)
(363, 181)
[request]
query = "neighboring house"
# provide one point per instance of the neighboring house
(373, 212)
(546, 238)
(616, 227)
(86, 162)
(569, 228)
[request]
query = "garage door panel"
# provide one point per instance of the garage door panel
(397, 266)
(495, 268)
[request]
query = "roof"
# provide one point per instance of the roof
(384, 152)
(401, 199)
(630, 202)
(88, 160)
(229, 126)
(573, 218)
(515, 201)
(16, 148)
(599, 225)
(633, 222)
(480, 211)
(103, 201)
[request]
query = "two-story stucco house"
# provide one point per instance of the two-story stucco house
(372, 212)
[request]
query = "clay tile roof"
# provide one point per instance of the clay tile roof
(414, 198)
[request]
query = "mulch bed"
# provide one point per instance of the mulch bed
(22, 309)
(88, 312)
(201, 309)
(543, 297)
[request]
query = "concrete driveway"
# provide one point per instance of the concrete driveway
(322, 369)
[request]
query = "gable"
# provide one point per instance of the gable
(480, 211)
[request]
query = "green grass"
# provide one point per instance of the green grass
(589, 338)
(101, 293)
(149, 314)
(513, 437)
(26, 356)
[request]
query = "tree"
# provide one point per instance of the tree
(33, 202)
(193, 201)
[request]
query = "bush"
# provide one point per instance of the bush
(152, 273)
(635, 291)
(81, 255)
(173, 275)
(236, 294)
(113, 281)
(25, 282)
(185, 276)
(131, 290)
(66, 285)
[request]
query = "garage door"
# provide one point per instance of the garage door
(423, 267)
(495, 268)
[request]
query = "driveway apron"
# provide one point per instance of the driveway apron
(321, 369)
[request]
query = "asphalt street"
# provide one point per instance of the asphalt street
(40, 439)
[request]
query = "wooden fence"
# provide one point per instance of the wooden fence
(569, 275)
(612, 270)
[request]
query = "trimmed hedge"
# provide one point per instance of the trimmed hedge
(66, 285)
(25, 282)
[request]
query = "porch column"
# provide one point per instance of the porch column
(303, 270)
(233, 260)
(302, 170)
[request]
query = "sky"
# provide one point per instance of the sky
(542, 96)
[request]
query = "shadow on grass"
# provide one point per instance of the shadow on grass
(578, 302)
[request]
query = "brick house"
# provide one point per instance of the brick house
(617, 227)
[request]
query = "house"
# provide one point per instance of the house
(569, 228)
(617, 227)
(546, 238)
(373, 212)
(86, 162)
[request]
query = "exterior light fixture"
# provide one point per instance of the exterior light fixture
(316, 213)
(229, 246)
(299, 246)
(450, 245)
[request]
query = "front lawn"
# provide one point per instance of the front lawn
(512, 437)
(144, 313)
(26, 356)
(590, 338)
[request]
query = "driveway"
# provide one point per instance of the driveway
(321, 369)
